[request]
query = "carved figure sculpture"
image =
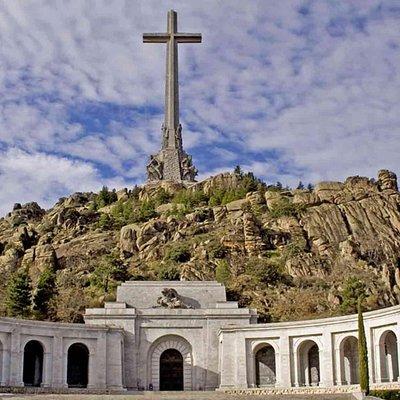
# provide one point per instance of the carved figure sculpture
(189, 171)
(171, 299)
(154, 169)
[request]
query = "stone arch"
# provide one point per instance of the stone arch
(159, 347)
(32, 373)
(265, 365)
(78, 365)
(389, 356)
(308, 362)
(349, 360)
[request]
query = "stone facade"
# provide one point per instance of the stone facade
(151, 328)
(185, 335)
(36, 353)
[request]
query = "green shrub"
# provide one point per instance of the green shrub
(285, 208)
(266, 271)
(128, 212)
(179, 253)
(18, 296)
(386, 394)
(178, 211)
(217, 250)
(168, 272)
(123, 213)
(292, 249)
(162, 197)
(352, 291)
(189, 198)
(144, 212)
(222, 272)
(106, 222)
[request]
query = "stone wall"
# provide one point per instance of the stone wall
(336, 352)
(54, 341)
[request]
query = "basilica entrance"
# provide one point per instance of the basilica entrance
(171, 370)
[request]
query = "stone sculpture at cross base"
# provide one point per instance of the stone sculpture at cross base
(171, 162)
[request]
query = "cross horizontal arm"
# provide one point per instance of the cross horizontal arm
(188, 37)
(155, 37)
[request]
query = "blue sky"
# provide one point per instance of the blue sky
(292, 90)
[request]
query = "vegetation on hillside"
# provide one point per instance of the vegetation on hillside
(272, 247)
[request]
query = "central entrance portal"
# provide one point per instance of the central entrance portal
(171, 370)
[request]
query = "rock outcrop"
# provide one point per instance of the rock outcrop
(275, 249)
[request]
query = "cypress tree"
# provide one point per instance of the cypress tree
(362, 352)
(18, 296)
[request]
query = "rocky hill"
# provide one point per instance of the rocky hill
(291, 254)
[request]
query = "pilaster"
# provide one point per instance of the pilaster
(283, 369)
(326, 359)
(16, 361)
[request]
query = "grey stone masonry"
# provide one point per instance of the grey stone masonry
(171, 163)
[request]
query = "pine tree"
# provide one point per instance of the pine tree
(362, 352)
(300, 185)
(18, 296)
(238, 171)
(310, 187)
(45, 291)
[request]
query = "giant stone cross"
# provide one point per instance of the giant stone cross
(171, 162)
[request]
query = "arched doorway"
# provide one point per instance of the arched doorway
(349, 353)
(389, 357)
(265, 366)
(309, 371)
(157, 353)
(78, 366)
(33, 364)
(171, 370)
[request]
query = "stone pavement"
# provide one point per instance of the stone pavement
(177, 396)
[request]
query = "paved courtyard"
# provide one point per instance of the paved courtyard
(175, 396)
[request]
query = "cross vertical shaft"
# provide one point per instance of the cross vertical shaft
(171, 82)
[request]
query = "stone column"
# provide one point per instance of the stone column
(296, 364)
(65, 365)
(228, 360)
(47, 364)
(92, 381)
(241, 378)
(306, 366)
(58, 362)
(378, 363)
(326, 360)
(16, 361)
(370, 345)
(100, 365)
(251, 370)
(6, 360)
(338, 366)
(283, 368)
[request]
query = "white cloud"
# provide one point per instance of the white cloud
(26, 177)
(311, 95)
